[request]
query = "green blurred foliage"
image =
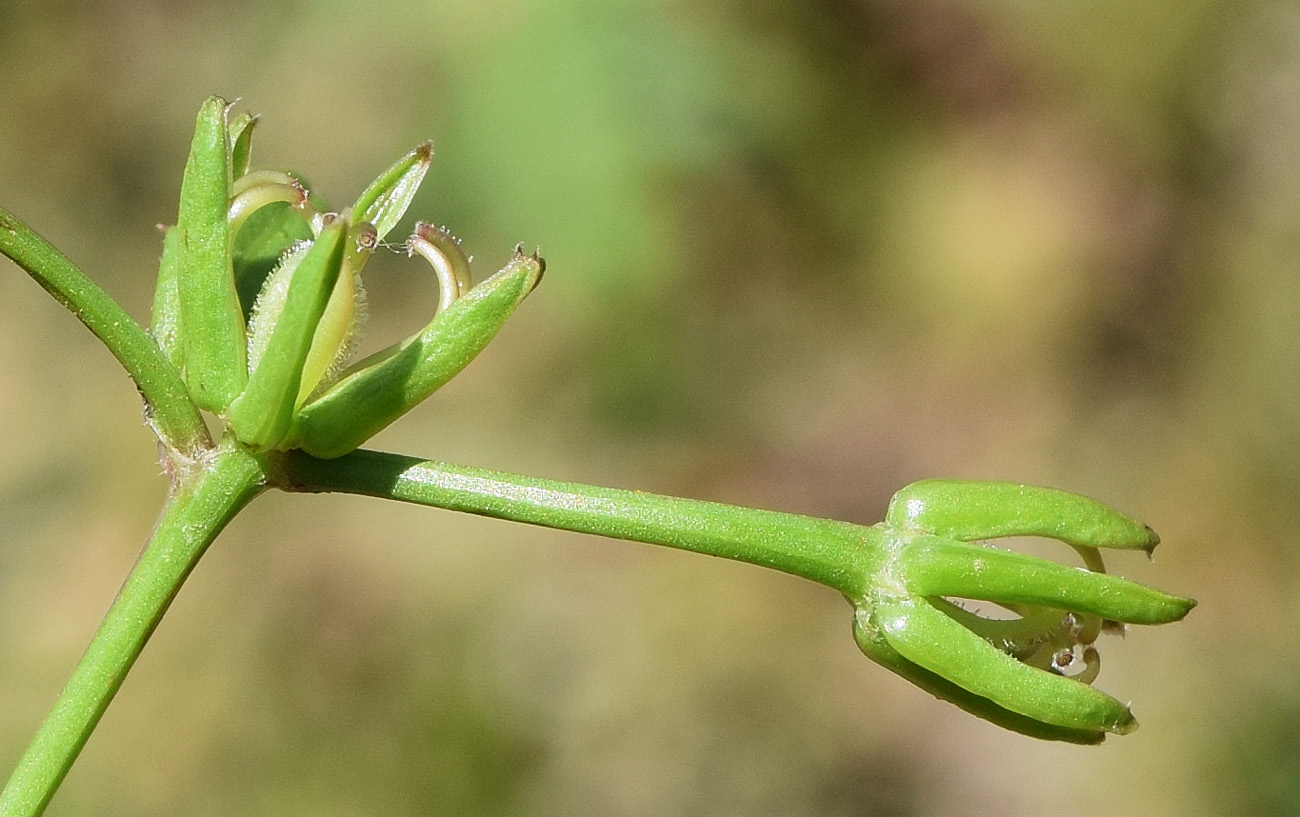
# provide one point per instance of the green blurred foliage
(800, 254)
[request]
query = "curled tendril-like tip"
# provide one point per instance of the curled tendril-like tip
(255, 190)
(443, 252)
(377, 390)
(1065, 662)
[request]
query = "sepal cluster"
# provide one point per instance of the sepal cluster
(1030, 670)
(266, 346)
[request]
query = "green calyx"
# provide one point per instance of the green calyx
(259, 298)
(1030, 670)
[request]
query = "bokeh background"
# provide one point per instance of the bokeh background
(800, 254)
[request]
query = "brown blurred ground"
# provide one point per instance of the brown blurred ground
(800, 254)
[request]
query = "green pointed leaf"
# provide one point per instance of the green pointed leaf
(871, 640)
(211, 321)
(385, 201)
(262, 415)
(928, 638)
(973, 509)
(932, 566)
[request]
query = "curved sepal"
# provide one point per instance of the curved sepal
(871, 640)
(211, 321)
(443, 252)
(974, 509)
(932, 566)
(928, 638)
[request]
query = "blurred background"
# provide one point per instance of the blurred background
(800, 254)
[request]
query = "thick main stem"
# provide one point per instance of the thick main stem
(197, 511)
(837, 554)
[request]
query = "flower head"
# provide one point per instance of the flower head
(259, 299)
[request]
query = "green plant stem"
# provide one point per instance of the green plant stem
(201, 505)
(817, 549)
(173, 414)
